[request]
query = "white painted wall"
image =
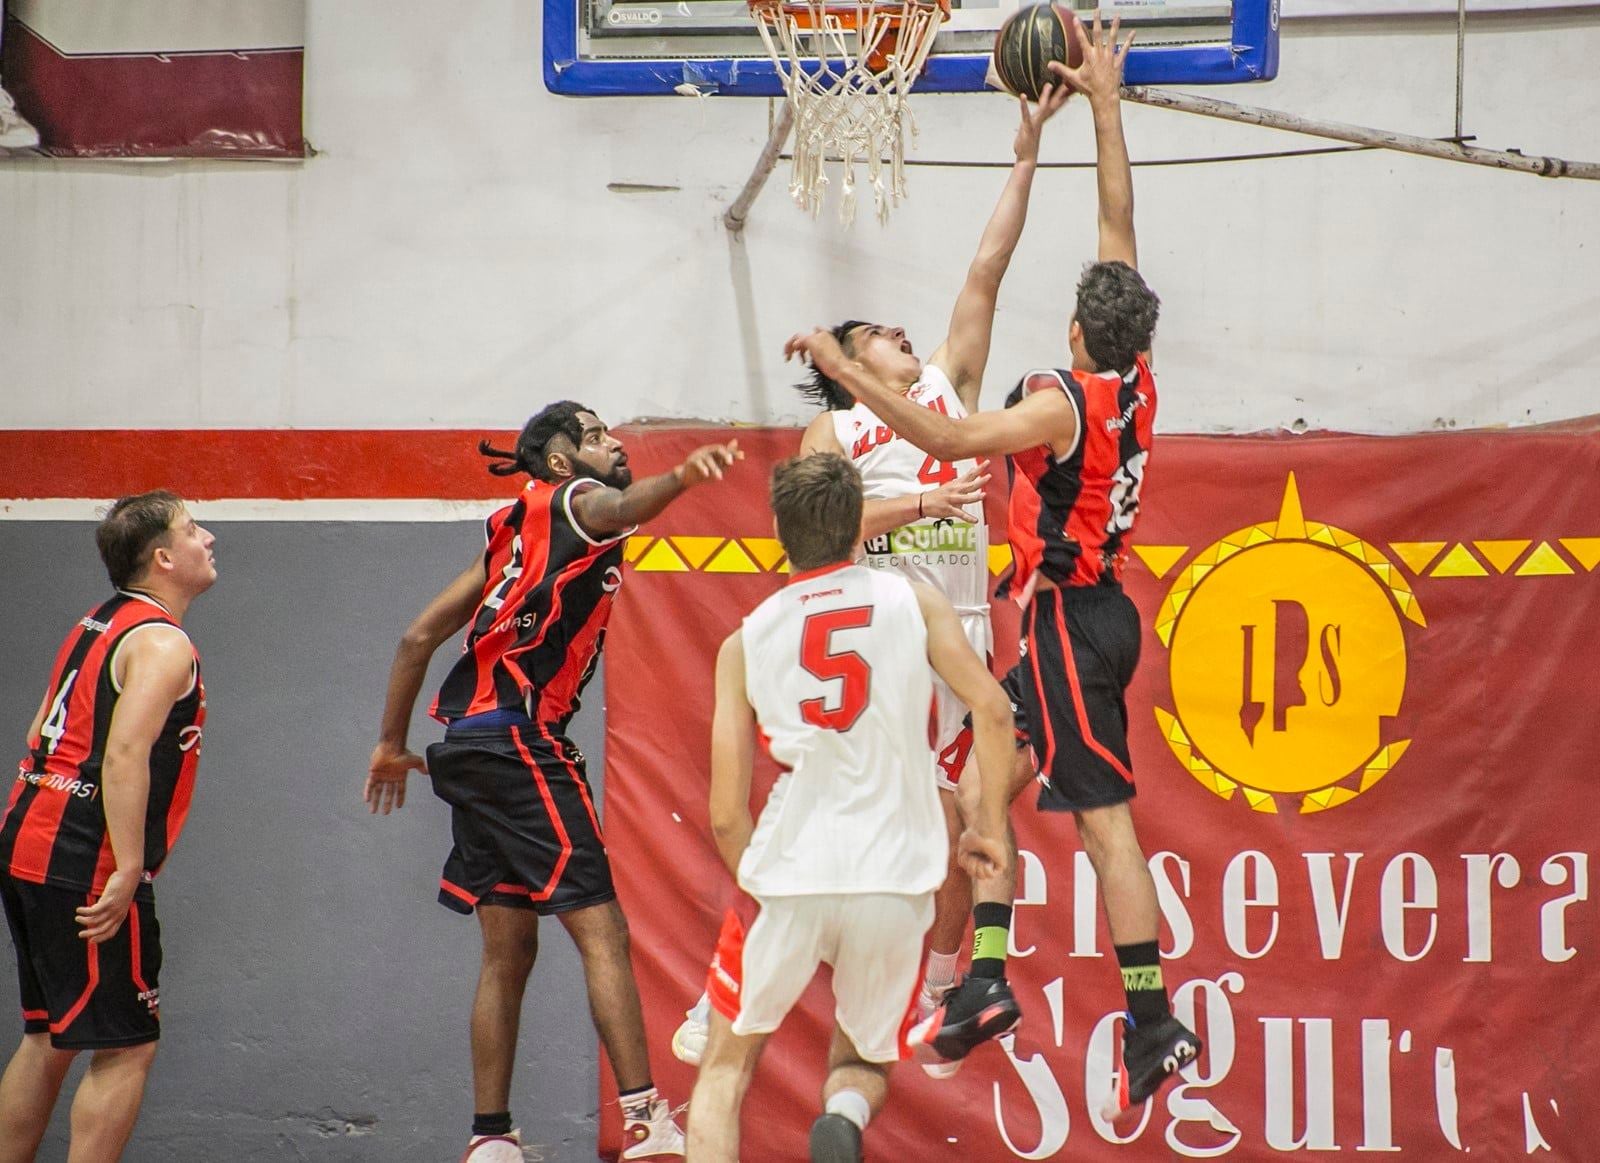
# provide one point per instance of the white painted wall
(453, 255)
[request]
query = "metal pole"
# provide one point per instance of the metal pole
(1461, 58)
(1548, 167)
(734, 218)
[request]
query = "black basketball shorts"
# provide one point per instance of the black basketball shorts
(526, 832)
(86, 997)
(1080, 648)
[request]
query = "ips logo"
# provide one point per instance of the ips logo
(1288, 663)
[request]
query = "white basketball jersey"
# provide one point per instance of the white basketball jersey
(949, 555)
(836, 667)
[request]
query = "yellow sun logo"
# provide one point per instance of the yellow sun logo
(1288, 662)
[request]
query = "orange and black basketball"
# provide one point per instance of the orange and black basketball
(1027, 43)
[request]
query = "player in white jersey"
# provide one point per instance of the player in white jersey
(924, 519)
(924, 516)
(842, 865)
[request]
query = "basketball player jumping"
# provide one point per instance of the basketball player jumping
(527, 840)
(97, 805)
(1079, 441)
(843, 863)
(924, 519)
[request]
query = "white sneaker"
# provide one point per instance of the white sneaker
(16, 132)
(656, 1135)
(689, 1040)
(927, 1003)
(494, 1149)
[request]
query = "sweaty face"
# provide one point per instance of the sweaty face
(886, 352)
(600, 455)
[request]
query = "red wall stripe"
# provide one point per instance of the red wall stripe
(251, 464)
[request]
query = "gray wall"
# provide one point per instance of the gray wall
(315, 996)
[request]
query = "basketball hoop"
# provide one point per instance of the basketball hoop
(847, 69)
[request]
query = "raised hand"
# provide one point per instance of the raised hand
(1051, 99)
(1099, 77)
(819, 348)
(707, 463)
(950, 501)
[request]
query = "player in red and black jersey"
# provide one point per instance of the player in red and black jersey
(527, 838)
(1078, 441)
(97, 805)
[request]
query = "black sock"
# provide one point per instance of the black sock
(498, 1123)
(991, 929)
(1141, 981)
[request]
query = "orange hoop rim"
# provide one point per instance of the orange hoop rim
(848, 15)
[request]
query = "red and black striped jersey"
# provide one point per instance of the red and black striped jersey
(540, 626)
(54, 829)
(1072, 511)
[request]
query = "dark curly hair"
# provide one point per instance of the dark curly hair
(1117, 311)
(825, 391)
(559, 419)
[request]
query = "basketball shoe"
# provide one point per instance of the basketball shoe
(655, 1134)
(978, 1009)
(835, 1139)
(494, 1149)
(1147, 1060)
(689, 1039)
(927, 1002)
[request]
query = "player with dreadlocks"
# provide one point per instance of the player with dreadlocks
(527, 841)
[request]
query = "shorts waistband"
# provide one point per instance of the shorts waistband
(496, 720)
(1075, 595)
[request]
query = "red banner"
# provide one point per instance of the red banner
(1362, 737)
(159, 78)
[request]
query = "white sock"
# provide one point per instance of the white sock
(941, 971)
(700, 1012)
(850, 1104)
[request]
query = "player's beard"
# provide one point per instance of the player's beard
(619, 477)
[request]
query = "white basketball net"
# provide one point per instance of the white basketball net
(845, 110)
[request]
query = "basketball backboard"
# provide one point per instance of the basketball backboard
(595, 48)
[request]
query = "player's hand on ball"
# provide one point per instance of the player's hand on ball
(1051, 99)
(1100, 76)
(983, 857)
(708, 463)
(386, 777)
(818, 348)
(950, 501)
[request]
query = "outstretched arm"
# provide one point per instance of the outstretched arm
(605, 512)
(733, 733)
(965, 351)
(1100, 79)
(1041, 418)
(391, 761)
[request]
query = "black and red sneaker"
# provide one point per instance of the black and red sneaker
(1147, 1059)
(978, 1009)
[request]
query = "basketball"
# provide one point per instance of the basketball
(1027, 43)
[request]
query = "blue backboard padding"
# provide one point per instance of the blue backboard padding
(1252, 57)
